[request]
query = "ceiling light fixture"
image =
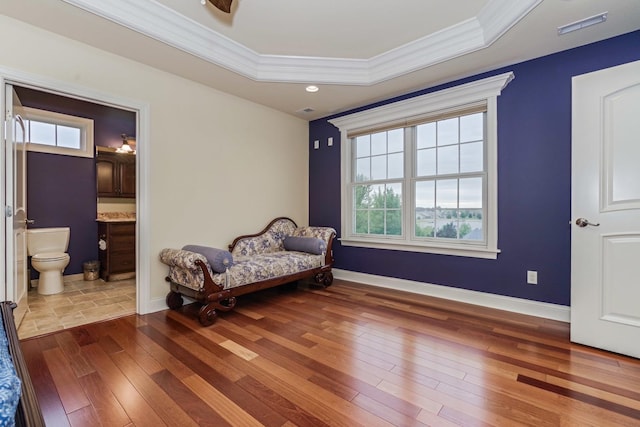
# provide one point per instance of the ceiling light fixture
(583, 23)
(312, 88)
(125, 147)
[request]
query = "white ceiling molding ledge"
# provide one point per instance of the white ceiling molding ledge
(167, 26)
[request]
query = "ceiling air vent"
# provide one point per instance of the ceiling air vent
(306, 110)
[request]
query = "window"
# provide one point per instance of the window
(421, 174)
(49, 132)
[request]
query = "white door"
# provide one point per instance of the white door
(605, 235)
(16, 280)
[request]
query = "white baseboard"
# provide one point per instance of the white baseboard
(155, 304)
(517, 305)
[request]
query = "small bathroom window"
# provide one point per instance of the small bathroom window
(56, 133)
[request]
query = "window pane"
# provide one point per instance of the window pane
(362, 196)
(447, 193)
(396, 165)
(424, 211)
(471, 127)
(378, 143)
(393, 196)
(379, 167)
(448, 131)
(425, 196)
(448, 159)
(377, 196)
(426, 135)
(426, 162)
(363, 172)
(471, 209)
(396, 140)
(447, 229)
(471, 193)
(363, 147)
(471, 157)
(362, 222)
(376, 225)
(43, 133)
(394, 223)
(68, 137)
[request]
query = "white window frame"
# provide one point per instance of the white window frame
(397, 114)
(86, 132)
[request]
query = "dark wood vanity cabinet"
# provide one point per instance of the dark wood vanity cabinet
(117, 249)
(116, 175)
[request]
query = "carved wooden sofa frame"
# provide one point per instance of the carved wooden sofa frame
(214, 296)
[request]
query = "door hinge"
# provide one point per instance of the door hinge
(8, 211)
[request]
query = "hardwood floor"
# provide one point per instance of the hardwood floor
(346, 356)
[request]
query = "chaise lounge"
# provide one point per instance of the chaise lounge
(281, 253)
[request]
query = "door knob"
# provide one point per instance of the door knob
(29, 221)
(583, 222)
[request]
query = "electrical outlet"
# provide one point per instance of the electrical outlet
(532, 277)
(330, 141)
(316, 144)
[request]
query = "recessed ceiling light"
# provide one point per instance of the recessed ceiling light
(583, 23)
(312, 88)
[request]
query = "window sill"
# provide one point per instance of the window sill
(458, 250)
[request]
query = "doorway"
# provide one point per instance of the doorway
(79, 96)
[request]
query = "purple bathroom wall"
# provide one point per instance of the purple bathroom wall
(534, 183)
(61, 190)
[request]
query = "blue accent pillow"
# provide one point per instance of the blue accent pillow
(311, 245)
(219, 259)
(10, 384)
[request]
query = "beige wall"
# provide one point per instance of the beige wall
(218, 165)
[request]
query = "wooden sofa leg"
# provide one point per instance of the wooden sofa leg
(325, 279)
(174, 300)
(207, 314)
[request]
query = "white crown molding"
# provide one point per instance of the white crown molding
(407, 109)
(163, 24)
(544, 310)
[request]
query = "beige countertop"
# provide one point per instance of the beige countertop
(116, 217)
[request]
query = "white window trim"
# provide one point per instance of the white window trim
(397, 113)
(86, 132)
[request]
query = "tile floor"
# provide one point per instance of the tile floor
(81, 302)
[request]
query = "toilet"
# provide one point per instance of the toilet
(47, 248)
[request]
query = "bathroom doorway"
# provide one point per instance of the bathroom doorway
(59, 176)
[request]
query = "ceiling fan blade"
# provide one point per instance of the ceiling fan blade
(223, 5)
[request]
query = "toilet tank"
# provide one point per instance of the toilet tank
(42, 240)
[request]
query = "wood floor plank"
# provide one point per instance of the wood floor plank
(349, 355)
(105, 405)
(253, 406)
(155, 396)
(84, 417)
(226, 408)
(189, 402)
(280, 404)
(50, 402)
(69, 345)
(133, 403)
(70, 391)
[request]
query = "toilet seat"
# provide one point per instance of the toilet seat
(50, 256)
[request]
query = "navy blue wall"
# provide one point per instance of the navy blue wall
(534, 183)
(61, 190)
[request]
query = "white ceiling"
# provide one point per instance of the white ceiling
(356, 51)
